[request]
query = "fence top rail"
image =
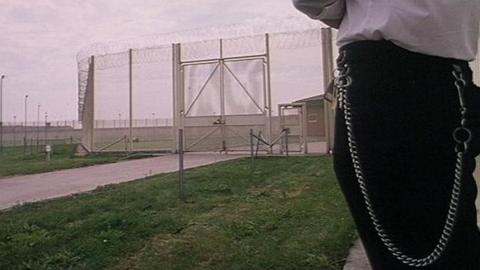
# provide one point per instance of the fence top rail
(226, 59)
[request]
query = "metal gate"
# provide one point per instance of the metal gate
(222, 100)
(293, 117)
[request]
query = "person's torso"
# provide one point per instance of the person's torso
(446, 28)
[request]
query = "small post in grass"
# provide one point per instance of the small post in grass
(251, 147)
(181, 183)
(48, 150)
(287, 131)
(24, 146)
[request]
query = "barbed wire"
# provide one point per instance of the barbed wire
(238, 39)
(253, 27)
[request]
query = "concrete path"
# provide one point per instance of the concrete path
(357, 260)
(31, 188)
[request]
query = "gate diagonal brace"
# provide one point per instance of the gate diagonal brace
(202, 89)
(243, 88)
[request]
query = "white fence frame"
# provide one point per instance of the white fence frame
(179, 117)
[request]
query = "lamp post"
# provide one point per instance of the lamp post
(25, 128)
(38, 126)
(14, 130)
(1, 112)
(46, 125)
(153, 126)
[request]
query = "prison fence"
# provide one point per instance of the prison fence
(35, 135)
(32, 137)
(216, 90)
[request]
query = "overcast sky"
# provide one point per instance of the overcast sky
(39, 40)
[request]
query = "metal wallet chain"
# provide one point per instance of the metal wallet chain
(462, 136)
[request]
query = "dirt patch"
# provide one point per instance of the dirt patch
(297, 192)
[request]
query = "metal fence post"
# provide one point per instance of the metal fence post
(222, 99)
(24, 146)
(130, 100)
(269, 90)
(14, 134)
(328, 67)
(251, 146)
(258, 137)
(181, 179)
(46, 131)
(287, 131)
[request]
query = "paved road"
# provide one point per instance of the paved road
(30, 188)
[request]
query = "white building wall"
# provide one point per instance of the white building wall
(476, 69)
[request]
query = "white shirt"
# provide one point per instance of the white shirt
(446, 28)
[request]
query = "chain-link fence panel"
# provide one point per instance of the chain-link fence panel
(152, 100)
(217, 89)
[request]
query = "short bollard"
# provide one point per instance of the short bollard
(48, 150)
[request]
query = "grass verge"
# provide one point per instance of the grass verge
(287, 213)
(14, 162)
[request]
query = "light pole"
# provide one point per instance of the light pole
(46, 125)
(14, 130)
(153, 126)
(25, 128)
(38, 126)
(1, 112)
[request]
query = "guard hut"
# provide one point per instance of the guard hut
(305, 121)
(310, 122)
(315, 117)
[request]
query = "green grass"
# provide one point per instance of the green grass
(288, 213)
(14, 162)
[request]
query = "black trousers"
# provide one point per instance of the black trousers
(404, 108)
